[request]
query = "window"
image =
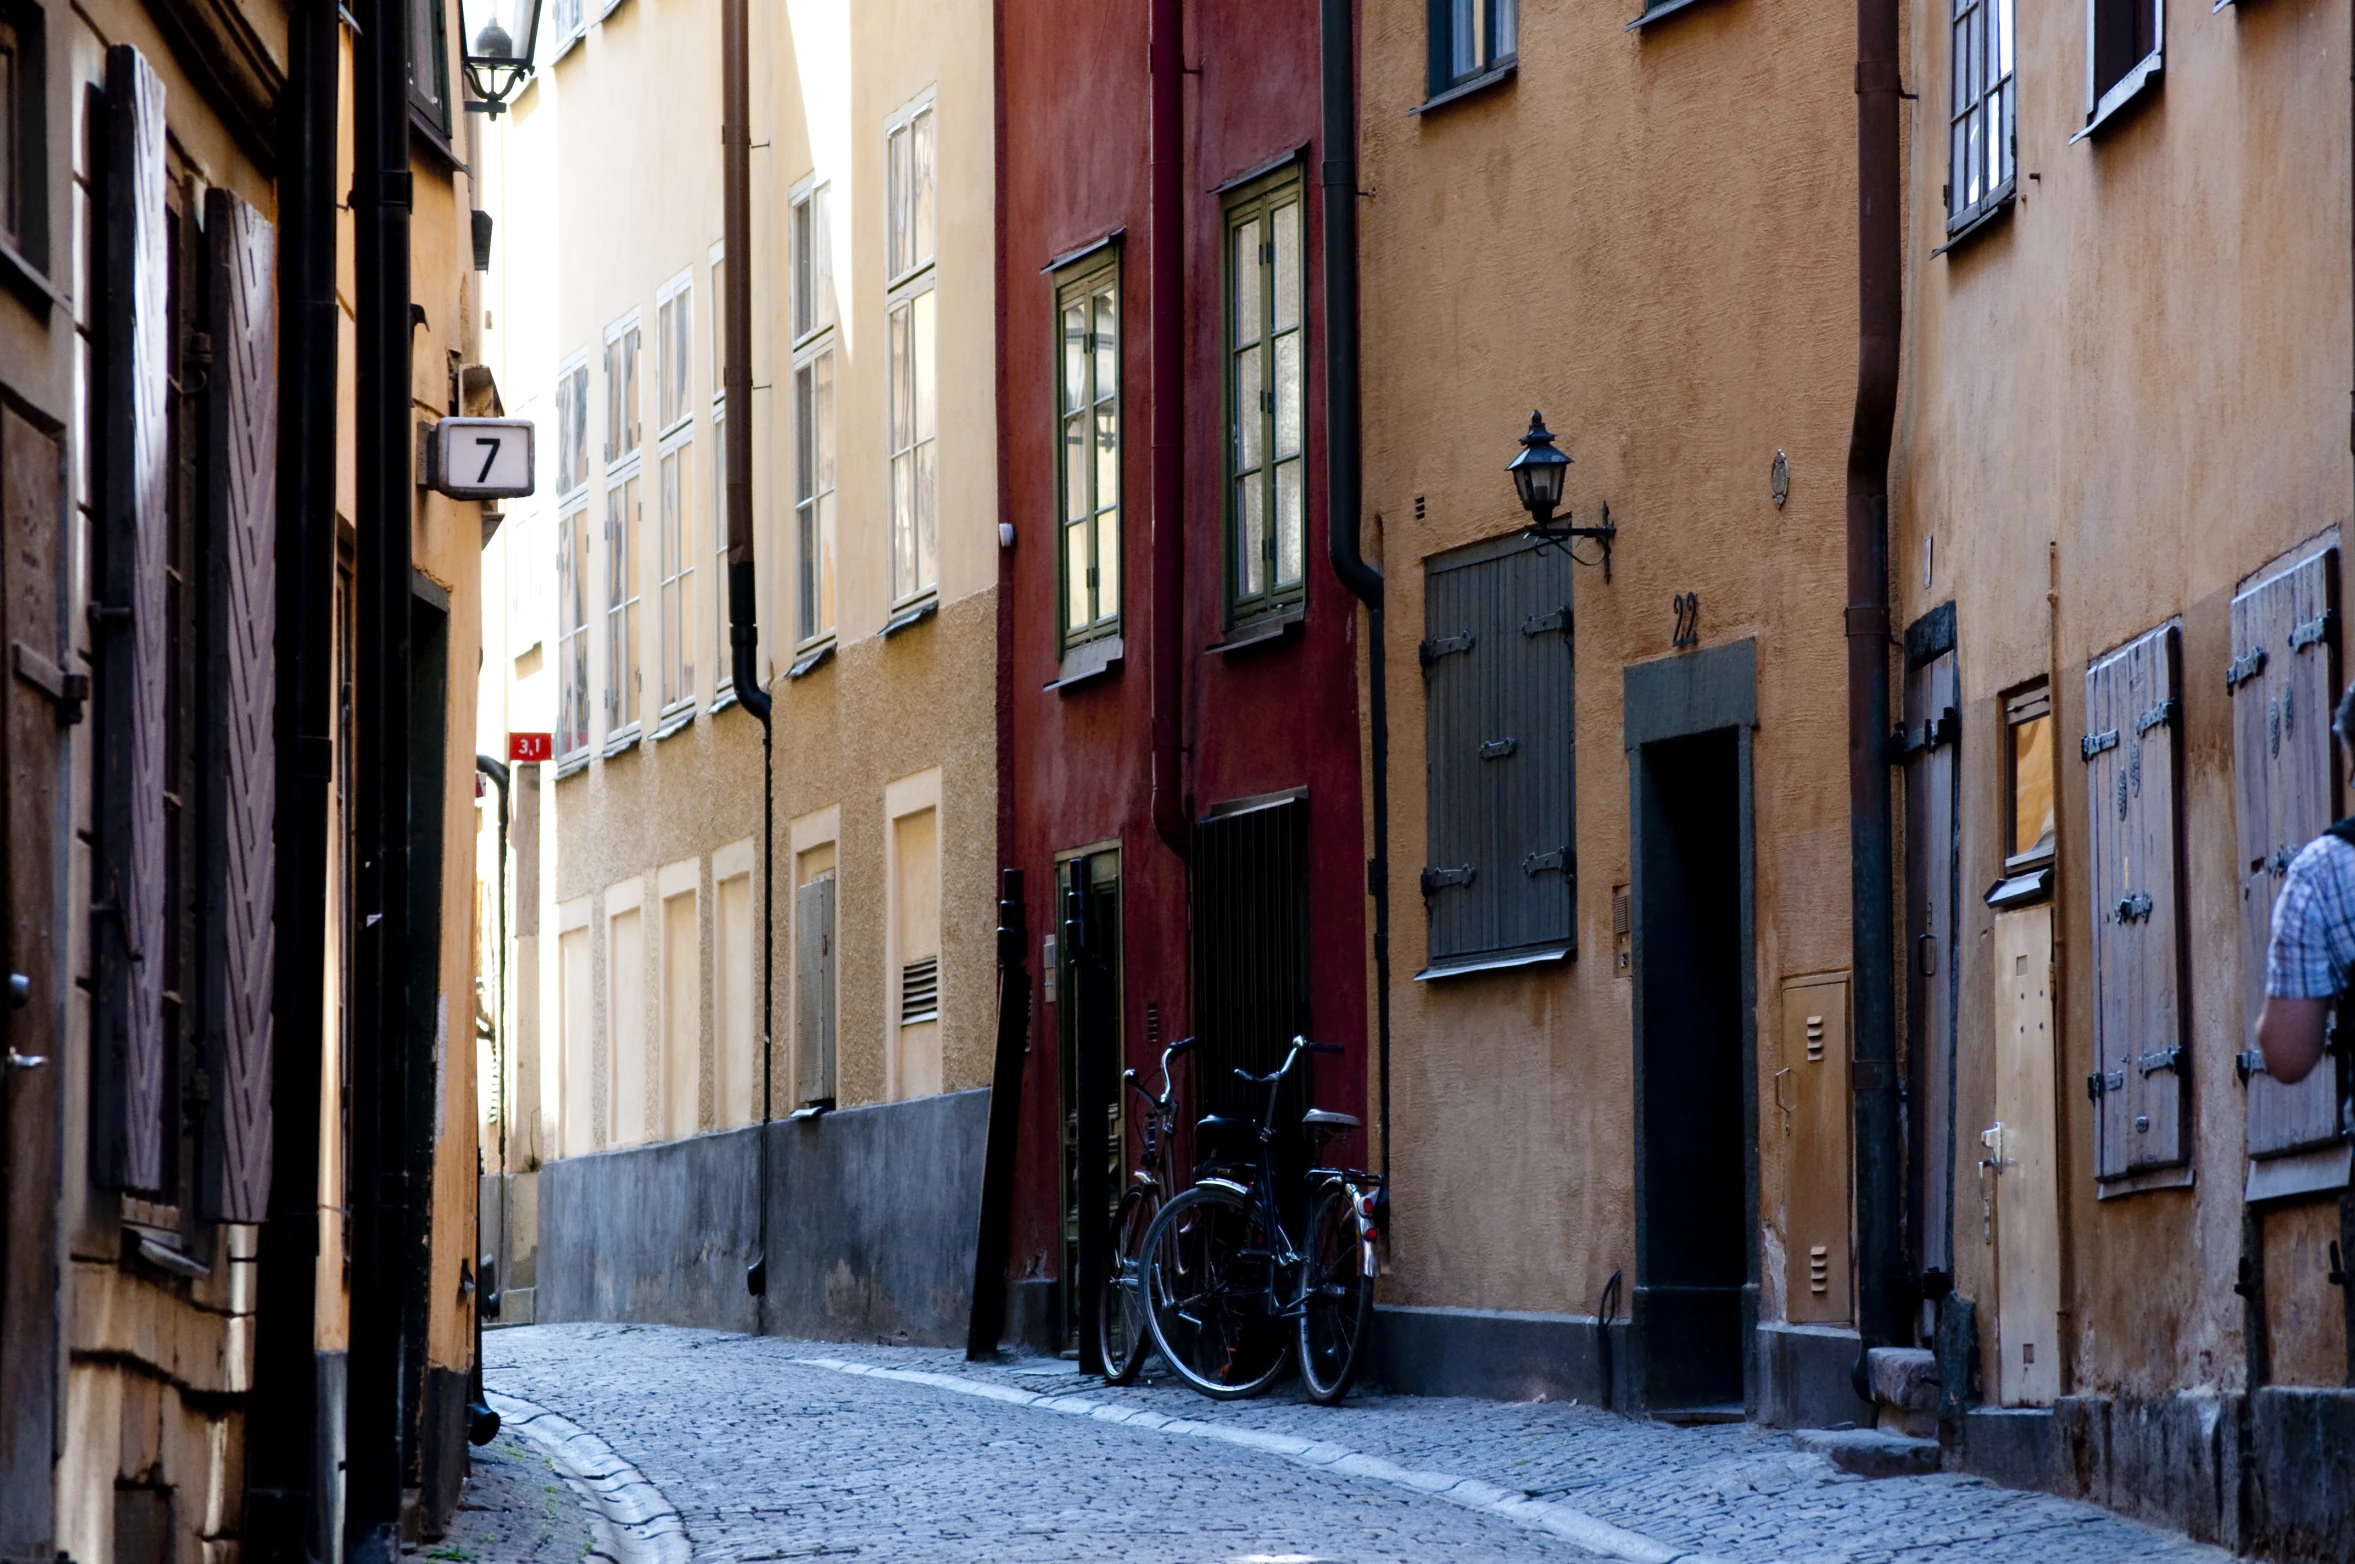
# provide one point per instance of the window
(429, 64)
(1267, 504)
(1470, 38)
(2028, 791)
(675, 492)
(1982, 140)
(674, 329)
(623, 524)
(1500, 879)
(1088, 417)
(572, 632)
(572, 426)
(621, 391)
(24, 132)
(2122, 54)
(812, 244)
(911, 350)
(568, 22)
(813, 975)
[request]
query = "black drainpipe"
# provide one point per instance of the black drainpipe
(743, 610)
(1880, 1174)
(1343, 481)
(286, 1516)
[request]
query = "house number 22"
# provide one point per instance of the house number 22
(1688, 620)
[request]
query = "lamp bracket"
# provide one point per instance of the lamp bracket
(1547, 535)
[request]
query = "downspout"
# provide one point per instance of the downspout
(1880, 1174)
(378, 1405)
(1344, 487)
(483, 1423)
(1166, 62)
(743, 612)
(285, 1516)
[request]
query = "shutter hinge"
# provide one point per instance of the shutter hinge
(1534, 864)
(2249, 1061)
(2094, 743)
(2165, 712)
(1498, 749)
(1436, 879)
(2243, 668)
(2160, 1059)
(66, 690)
(1552, 619)
(2313, 632)
(1905, 743)
(2100, 1083)
(2134, 907)
(1440, 646)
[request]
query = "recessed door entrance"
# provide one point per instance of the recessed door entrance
(1090, 1055)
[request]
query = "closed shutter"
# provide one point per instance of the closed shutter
(2132, 749)
(1501, 869)
(813, 990)
(129, 633)
(2282, 677)
(240, 699)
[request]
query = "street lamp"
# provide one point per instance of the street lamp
(500, 35)
(1537, 478)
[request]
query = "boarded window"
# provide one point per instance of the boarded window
(1499, 881)
(813, 989)
(2133, 767)
(2282, 675)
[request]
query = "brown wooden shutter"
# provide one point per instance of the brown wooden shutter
(241, 532)
(129, 635)
(813, 990)
(2283, 674)
(2133, 748)
(34, 697)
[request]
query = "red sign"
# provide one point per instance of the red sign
(531, 746)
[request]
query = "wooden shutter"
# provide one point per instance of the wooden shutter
(34, 697)
(1932, 847)
(2282, 677)
(129, 632)
(2132, 749)
(813, 990)
(241, 534)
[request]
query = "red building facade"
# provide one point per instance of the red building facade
(1180, 743)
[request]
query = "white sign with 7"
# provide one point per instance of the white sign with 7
(483, 458)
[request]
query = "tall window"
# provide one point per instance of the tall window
(1088, 425)
(2123, 39)
(675, 490)
(572, 632)
(572, 426)
(621, 391)
(2028, 801)
(11, 97)
(1981, 138)
(623, 529)
(913, 333)
(429, 64)
(1268, 497)
(1469, 38)
(813, 413)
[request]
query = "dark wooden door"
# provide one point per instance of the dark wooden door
(1932, 760)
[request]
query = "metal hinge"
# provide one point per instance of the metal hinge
(1498, 749)
(2243, 668)
(2134, 906)
(2313, 631)
(2248, 1062)
(2101, 1082)
(1905, 743)
(2158, 1059)
(2165, 712)
(2094, 743)
(66, 690)
(1445, 645)
(1552, 619)
(1533, 864)
(1436, 879)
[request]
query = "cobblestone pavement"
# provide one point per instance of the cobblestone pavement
(773, 1449)
(515, 1510)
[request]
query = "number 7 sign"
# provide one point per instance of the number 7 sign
(482, 458)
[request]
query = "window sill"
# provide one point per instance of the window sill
(676, 720)
(1972, 224)
(572, 767)
(1281, 626)
(725, 699)
(1471, 86)
(567, 44)
(811, 661)
(29, 283)
(436, 142)
(1088, 660)
(627, 738)
(2132, 86)
(1659, 12)
(1494, 961)
(909, 617)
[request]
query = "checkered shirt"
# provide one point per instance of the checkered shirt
(2312, 950)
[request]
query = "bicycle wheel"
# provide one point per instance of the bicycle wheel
(1205, 1287)
(1120, 1314)
(1336, 1295)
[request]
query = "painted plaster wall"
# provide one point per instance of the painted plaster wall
(1646, 235)
(2138, 381)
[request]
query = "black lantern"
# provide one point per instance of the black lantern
(500, 36)
(1538, 473)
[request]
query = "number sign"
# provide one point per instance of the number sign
(530, 746)
(483, 458)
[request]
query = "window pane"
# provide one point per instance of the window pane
(822, 239)
(902, 401)
(719, 326)
(803, 274)
(825, 562)
(565, 435)
(805, 527)
(1246, 323)
(1076, 500)
(1508, 29)
(927, 367)
(1247, 410)
(903, 525)
(1463, 31)
(1108, 562)
(895, 203)
(1286, 221)
(805, 431)
(920, 174)
(1107, 456)
(2032, 785)
(1075, 576)
(1250, 540)
(1287, 389)
(824, 365)
(1107, 344)
(1288, 524)
(927, 515)
(1075, 359)
(580, 426)
(2003, 37)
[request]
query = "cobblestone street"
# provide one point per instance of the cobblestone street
(723, 1447)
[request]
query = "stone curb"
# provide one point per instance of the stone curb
(630, 1522)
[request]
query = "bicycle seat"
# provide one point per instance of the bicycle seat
(1317, 1120)
(1218, 1126)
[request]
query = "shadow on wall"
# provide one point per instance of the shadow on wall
(872, 1213)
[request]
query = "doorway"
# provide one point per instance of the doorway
(1695, 1097)
(1931, 753)
(1090, 1054)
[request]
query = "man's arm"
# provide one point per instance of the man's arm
(2289, 1034)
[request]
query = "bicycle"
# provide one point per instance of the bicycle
(1120, 1330)
(1222, 1278)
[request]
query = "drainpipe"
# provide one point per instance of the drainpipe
(1880, 1174)
(488, 1279)
(743, 614)
(379, 1406)
(1166, 62)
(285, 1516)
(1343, 481)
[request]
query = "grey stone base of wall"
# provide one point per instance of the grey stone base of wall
(871, 1226)
(2271, 1474)
(1805, 1377)
(1034, 1316)
(1502, 1355)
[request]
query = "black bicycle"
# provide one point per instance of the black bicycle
(1226, 1293)
(1120, 1315)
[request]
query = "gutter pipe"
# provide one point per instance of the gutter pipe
(743, 611)
(1344, 486)
(1166, 62)
(483, 1423)
(1880, 1174)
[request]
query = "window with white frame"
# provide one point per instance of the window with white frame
(572, 631)
(911, 348)
(723, 667)
(2122, 53)
(1267, 504)
(572, 425)
(567, 21)
(624, 529)
(1087, 373)
(812, 263)
(674, 332)
(1981, 140)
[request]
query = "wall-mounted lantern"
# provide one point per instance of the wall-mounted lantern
(1537, 478)
(500, 35)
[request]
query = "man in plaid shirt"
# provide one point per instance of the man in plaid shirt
(2311, 956)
